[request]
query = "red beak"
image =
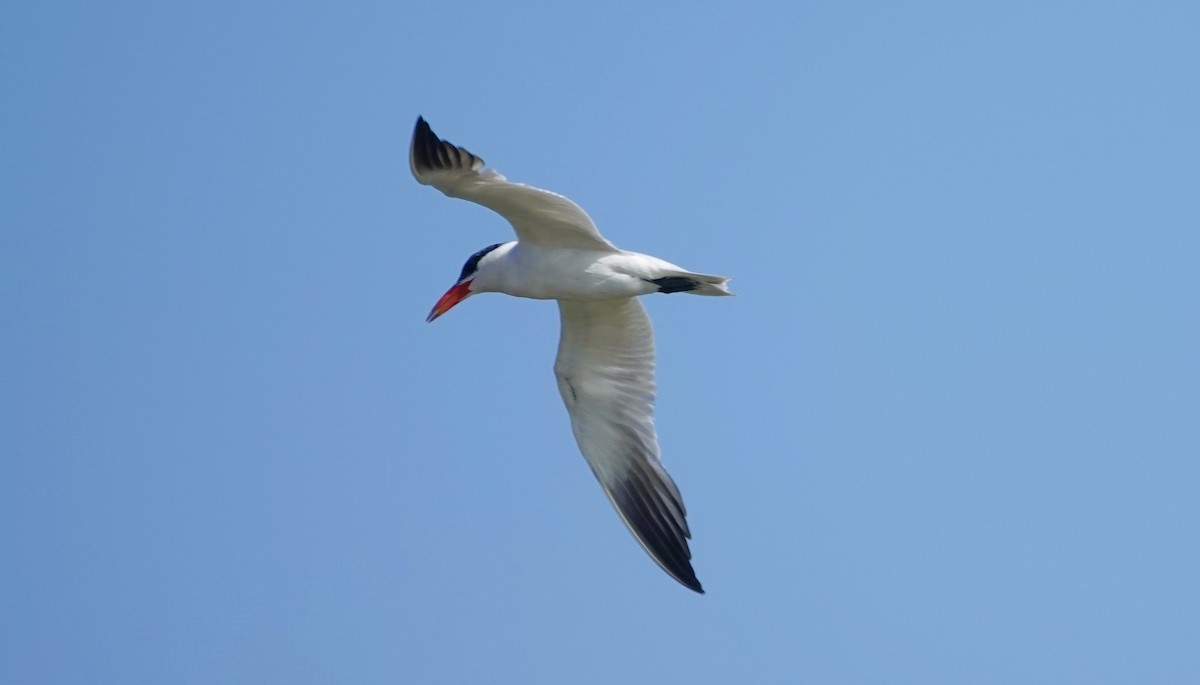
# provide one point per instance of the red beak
(452, 297)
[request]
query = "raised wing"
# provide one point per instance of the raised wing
(605, 372)
(538, 216)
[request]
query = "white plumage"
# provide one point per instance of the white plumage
(605, 365)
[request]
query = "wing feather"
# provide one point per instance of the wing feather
(538, 216)
(605, 372)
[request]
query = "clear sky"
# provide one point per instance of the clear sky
(948, 432)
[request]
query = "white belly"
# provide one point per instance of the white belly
(553, 274)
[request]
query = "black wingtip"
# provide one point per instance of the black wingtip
(691, 584)
(424, 146)
(689, 581)
(432, 153)
(661, 534)
(422, 128)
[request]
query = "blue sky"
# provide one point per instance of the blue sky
(948, 432)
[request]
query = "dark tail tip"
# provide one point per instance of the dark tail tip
(675, 284)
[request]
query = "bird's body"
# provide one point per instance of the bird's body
(546, 273)
(605, 364)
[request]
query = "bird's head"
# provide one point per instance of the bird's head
(469, 281)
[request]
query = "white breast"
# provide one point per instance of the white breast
(544, 273)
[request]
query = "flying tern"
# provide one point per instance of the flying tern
(605, 364)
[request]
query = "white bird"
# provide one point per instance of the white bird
(605, 365)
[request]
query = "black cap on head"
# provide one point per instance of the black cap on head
(473, 261)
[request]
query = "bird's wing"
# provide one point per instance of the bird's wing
(605, 372)
(538, 216)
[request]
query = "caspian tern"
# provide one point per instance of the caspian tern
(605, 365)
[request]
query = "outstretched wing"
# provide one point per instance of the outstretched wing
(605, 372)
(538, 216)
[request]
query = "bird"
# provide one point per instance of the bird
(605, 364)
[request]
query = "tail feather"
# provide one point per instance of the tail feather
(692, 283)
